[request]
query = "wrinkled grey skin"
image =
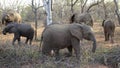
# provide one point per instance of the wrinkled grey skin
(11, 16)
(19, 30)
(109, 29)
(82, 18)
(59, 36)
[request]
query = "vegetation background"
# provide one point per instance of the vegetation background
(28, 56)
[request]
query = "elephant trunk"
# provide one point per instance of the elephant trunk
(3, 20)
(4, 32)
(94, 44)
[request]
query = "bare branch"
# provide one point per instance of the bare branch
(94, 4)
(116, 11)
(105, 11)
(82, 7)
(74, 2)
(85, 3)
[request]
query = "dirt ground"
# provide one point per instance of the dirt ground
(6, 40)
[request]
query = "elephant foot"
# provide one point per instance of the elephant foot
(106, 40)
(13, 43)
(57, 59)
(68, 55)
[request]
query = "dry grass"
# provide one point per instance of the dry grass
(28, 56)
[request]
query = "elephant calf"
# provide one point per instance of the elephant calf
(109, 29)
(19, 30)
(59, 36)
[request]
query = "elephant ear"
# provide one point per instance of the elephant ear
(76, 31)
(10, 28)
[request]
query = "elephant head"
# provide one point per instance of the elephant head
(84, 33)
(9, 29)
(11, 16)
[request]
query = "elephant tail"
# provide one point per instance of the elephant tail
(91, 22)
(72, 19)
(40, 43)
(103, 23)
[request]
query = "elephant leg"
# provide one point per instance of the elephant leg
(30, 41)
(14, 39)
(112, 37)
(26, 40)
(57, 57)
(70, 51)
(18, 40)
(105, 35)
(76, 46)
(108, 36)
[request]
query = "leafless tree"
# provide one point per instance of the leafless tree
(72, 4)
(35, 6)
(15, 5)
(93, 4)
(83, 4)
(105, 11)
(117, 10)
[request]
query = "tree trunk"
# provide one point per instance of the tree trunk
(83, 5)
(47, 5)
(105, 11)
(35, 24)
(117, 11)
(72, 5)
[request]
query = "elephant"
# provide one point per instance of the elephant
(82, 18)
(58, 36)
(109, 29)
(11, 16)
(19, 30)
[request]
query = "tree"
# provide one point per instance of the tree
(72, 4)
(35, 7)
(16, 5)
(105, 10)
(93, 4)
(117, 10)
(83, 3)
(48, 5)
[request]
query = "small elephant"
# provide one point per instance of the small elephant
(59, 36)
(82, 18)
(19, 30)
(109, 29)
(11, 16)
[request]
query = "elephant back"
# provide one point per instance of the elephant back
(11, 16)
(82, 18)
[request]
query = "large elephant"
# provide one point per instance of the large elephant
(82, 18)
(59, 36)
(19, 30)
(11, 16)
(109, 29)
